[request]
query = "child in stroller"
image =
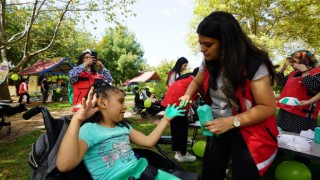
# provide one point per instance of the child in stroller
(89, 105)
(141, 100)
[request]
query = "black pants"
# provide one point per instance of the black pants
(217, 155)
(44, 96)
(179, 133)
(21, 97)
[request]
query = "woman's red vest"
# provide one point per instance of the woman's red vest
(260, 138)
(81, 87)
(295, 88)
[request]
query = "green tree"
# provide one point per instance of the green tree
(36, 33)
(121, 54)
(275, 25)
(162, 69)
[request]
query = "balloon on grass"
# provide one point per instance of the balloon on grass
(292, 170)
(198, 148)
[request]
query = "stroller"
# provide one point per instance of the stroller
(139, 107)
(6, 109)
(43, 154)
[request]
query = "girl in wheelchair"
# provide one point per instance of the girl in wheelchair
(98, 136)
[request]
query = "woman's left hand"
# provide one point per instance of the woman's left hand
(220, 125)
(99, 64)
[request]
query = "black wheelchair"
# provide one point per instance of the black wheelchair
(43, 154)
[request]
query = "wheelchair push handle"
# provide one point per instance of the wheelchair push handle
(50, 124)
(47, 118)
(32, 112)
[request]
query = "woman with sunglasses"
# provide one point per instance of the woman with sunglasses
(84, 75)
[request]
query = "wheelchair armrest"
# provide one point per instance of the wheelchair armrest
(165, 140)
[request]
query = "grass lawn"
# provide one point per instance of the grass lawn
(14, 155)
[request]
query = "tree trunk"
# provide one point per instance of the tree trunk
(5, 94)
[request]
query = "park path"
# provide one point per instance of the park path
(20, 127)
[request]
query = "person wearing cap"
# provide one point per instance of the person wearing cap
(84, 75)
(302, 83)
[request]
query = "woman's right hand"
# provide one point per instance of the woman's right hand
(184, 100)
(87, 107)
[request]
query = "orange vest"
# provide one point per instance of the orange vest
(21, 88)
(294, 87)
(260, 138)
(80, 88)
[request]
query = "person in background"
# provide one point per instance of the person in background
(153, 98)
(237, 79)
(179, 125)
(176, 71)
(302, 83)
(84, 75)
(23, 91)
(98, 135)
(44, 90)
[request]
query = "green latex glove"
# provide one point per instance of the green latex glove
(173, 111)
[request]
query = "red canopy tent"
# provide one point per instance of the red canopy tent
(51, 66)
(146, 77)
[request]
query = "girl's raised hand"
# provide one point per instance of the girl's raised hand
(87, 107)
(173, 111)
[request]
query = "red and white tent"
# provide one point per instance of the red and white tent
(146, 77)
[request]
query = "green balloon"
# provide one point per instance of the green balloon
(14, 77)
(147, 103)
(292, 170)
(58, 90)
(198, 148)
